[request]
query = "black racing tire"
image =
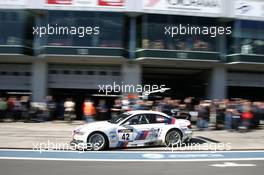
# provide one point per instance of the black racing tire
(173, 138)
(97, 141)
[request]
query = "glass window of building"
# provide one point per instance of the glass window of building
(153, 31)
(90, 29)
(62, 21)
(112, 30)
(16, 27)
(247, 38)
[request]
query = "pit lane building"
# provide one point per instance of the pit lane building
(132, 47)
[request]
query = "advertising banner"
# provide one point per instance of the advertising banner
(249, 8)
(88, 3)
(13, 2)
(62, 2)
(196, 6)
(110, 3)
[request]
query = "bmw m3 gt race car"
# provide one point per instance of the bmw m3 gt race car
(132, 129)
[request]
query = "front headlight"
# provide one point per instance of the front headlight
(78, 132)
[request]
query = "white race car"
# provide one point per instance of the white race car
(132, 129)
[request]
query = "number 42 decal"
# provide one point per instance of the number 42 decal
(125, 136)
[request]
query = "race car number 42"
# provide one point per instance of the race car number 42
(126, 136)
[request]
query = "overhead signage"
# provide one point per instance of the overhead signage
(87, 3)
(197, 6)
(249, 8)
(13, 2)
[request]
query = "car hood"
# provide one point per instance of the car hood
(101, 125)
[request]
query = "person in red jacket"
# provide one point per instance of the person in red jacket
(246, 118)
(89, 110)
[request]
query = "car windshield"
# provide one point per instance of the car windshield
(119, 118)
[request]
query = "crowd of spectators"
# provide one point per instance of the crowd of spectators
(230, 114)
(234, 114)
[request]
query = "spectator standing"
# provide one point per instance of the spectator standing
(257, 114)
(261, 113)
(125, 104)
(10, 107)
(220, 115)
(60, 109)
(139, 105)
(166, 106)
(3, 108)
(69, 109)
(228, 118)
(88, 110)
(203, 116)
(246, 118)
(235, 119)
(117, 108)
(51, 107)
(102, 110)
(25, 106)
(17, 108)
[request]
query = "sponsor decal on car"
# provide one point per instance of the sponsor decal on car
(62, 2)
(122, 143)
(113, 137)
(125, 130)
(154, 133)
(111, 3)
(142, 135)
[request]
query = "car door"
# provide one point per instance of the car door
(133, 132)
(155, 124)
(142, 130)
(146, 128)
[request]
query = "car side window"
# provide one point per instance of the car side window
(143, 119)
(155, 118)
(137, 120)
(133, 120)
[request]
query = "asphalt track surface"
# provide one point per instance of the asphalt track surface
(44, 167)
(28, 162)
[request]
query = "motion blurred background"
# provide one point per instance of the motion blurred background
(130, 49)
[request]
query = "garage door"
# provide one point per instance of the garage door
(15, 76)
(82, 76)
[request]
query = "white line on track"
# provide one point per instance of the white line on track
(232, 164)
(125, 152)
(131, 160)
